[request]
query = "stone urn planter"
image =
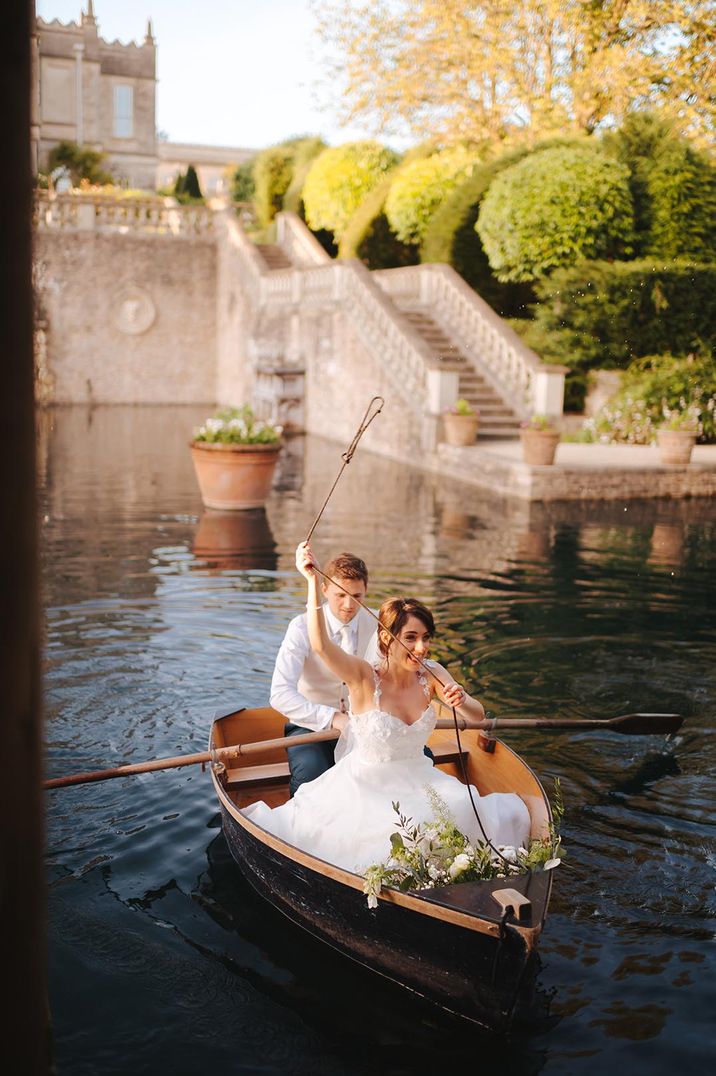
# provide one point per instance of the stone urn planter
(235, 457)
(676, 446)
(461, 422)
(236, 540)
(539, 445)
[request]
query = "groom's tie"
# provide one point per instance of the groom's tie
(346, 634)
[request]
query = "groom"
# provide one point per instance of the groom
(302, 688)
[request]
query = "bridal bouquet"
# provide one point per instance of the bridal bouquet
(436, 853)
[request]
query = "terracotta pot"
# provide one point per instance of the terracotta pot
(460, 429)
(234, 477)
(675, 446)
(539, 446)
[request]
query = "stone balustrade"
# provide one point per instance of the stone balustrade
(104, 213)
(299, 243)
(516, 372)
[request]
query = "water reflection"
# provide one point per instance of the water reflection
(235, 541)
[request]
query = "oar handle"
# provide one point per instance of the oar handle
(219, 754)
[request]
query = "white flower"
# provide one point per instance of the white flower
(459, 864)
(551, 863)
(372, 900)
(508, 852)
(433, 871)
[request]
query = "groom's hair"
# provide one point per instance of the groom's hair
(394, 613)
(347, 566)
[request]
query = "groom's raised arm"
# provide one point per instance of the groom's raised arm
(285, 696)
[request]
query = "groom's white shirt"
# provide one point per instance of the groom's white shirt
(302, 687)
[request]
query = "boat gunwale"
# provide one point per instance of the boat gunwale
(420, 904)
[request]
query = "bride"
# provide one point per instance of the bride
(346, 815)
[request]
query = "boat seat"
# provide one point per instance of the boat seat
(276, 773)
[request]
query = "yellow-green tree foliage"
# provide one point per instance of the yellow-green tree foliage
(421, 187)
(273, 169)
(458, 71)
(338, 181)
(554, 208)
(305, 153)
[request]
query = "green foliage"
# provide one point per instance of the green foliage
(192, 189)
(305, 153)
(604, 315)
(242, 182)
(338, 181)
(237, 426)
(554, 208)
(80, 161)
(681, 188)
(676, 392)
(419, 189)
(273, 171)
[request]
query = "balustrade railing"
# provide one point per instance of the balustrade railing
(298, 241)
(103, 213)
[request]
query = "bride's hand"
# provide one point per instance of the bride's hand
(454, 694)
(305, 560)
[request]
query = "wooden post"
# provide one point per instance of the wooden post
(25, 1034)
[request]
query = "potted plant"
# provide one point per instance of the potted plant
(539, 437)
(677, 434)
(461, 423)
(235, 456)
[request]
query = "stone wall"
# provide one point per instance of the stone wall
(127, 318)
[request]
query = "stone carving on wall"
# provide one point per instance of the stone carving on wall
(135, 311)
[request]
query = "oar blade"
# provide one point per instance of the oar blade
(646, 724)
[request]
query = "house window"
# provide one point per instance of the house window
(123, 111)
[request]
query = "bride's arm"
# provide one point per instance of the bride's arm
(353, 671)
(453, 694)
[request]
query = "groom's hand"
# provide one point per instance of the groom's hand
(339, 721)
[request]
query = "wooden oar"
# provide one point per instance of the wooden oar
(630, 724)
(220, 754)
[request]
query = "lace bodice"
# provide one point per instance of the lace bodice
(379, 736)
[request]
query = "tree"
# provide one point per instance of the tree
(191, 183)
(273, 170)
(556, 207)
(491, 70)
(338, 181)
(80, 161)
(242, 182)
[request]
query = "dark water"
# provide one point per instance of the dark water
(161, 958)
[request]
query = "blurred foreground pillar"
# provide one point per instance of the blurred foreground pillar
(24, 1038)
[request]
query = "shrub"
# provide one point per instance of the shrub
(338, 181)
(192, 188)
(242, 182)
(273, 169)
(419, 189)
(554, 208)
(661, 389)
(604, 315)
(681, 188)
(80, 161)
(305, 153)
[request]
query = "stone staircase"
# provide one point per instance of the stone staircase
(274, 256)
(496, 418)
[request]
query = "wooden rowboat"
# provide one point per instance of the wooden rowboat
(470, 949)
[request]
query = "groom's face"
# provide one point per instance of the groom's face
(341, 604)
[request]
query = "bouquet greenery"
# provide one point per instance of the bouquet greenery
(237, 426)
(436, 853)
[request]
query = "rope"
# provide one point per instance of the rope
(348, 455)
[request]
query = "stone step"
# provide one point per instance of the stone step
(274, 256)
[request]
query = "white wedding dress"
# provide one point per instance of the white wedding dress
(346, 817)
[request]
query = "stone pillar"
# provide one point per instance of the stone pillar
(78, 48)
(548, 390)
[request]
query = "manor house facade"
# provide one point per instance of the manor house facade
(102, 94)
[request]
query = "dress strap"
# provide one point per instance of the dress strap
(377, 691)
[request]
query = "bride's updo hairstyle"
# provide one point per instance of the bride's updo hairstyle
(394, 614)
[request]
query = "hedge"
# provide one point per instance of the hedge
(273, 169)
(606, 314)
(338, 181)
(681, 188)
(305, 153)
(554, 208)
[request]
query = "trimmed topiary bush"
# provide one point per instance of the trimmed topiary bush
(554, 208)
(242, 182)
(421, 187)
(305, 153)
(338, 181)
(681, 188)
(273, 170)
(604, 315)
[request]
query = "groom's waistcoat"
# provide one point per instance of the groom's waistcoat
(317, 683)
